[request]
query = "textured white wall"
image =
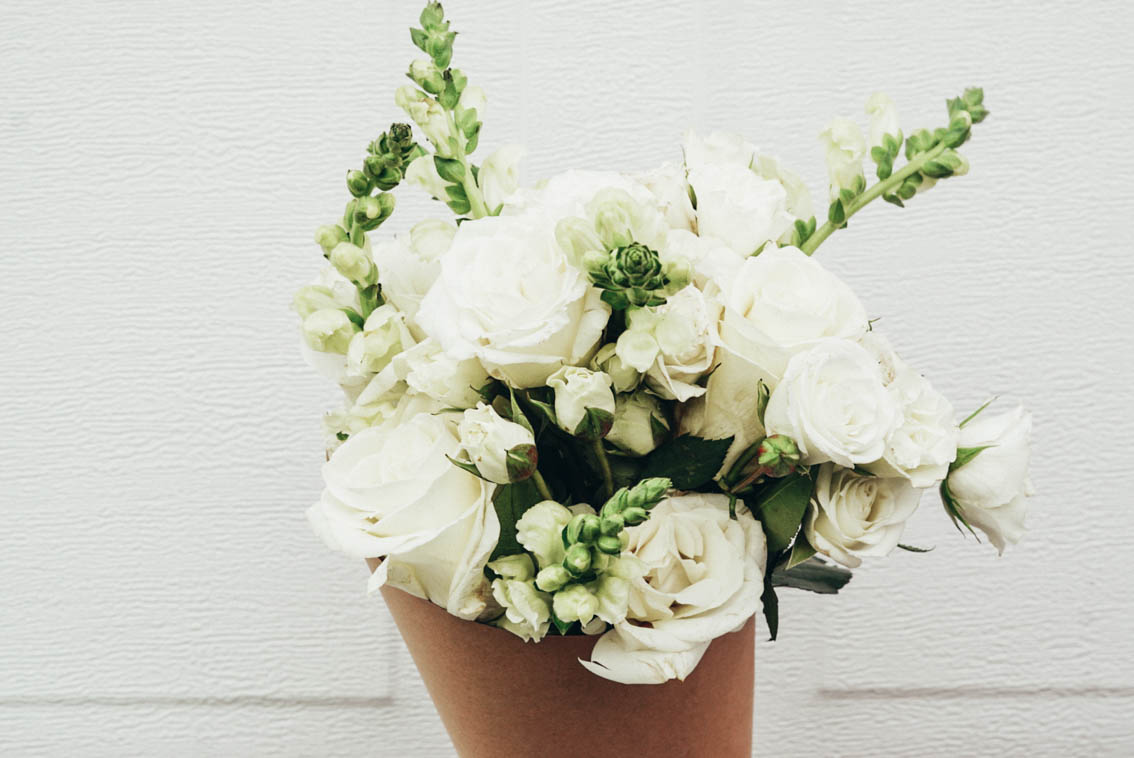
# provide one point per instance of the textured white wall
(162, 168)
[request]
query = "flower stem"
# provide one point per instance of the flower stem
(873, 193)
(604, 466)
(541, 485)
(477, 207)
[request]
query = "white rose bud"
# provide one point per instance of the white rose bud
(584, 401)
(499, 174)
(852, 515)
(501, 450)
(353, 262)
(383, 336)
(639, 424)
(883, 119)
(845, 148)
(624, 377)
(575, 603)
(991, 489)
(329, 330)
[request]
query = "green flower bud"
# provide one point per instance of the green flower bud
(358, 183)
(385, 170)
(610, 526)
(611, 545)
(552, 578)
(371, 211)
(427, 76)
(329, 330)
(635, 515)
(577, 560)
(329, 236)
(432, 15)
(633, 275)
(778, 455)
(354, 263)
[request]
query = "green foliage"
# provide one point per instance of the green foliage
(780, 508)
(511, 501)
(690, 462)
(813, 575)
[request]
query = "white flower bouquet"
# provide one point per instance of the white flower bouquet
(630, 406)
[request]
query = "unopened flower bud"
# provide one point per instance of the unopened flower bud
(612, 525)
(635, 515)
(329, 236)
(778, 455)
(371, 211)
(611, 545)
(502, 451)
(584, 401)
(353, 263)
(329, 330)
(639, 424)
(427, 76)
(577, 560)
(358, 183)
(313, 297)
(552, 578)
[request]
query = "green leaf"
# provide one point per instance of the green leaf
(913, 549)
(518, 416)
(450, 169)
(780, 509)
(800, 551)
(966, 454)
(689, 461)
(977, 412)
(771, 608)
(560, 625)
(953, 511)
(458, 199)
(813, 575)
(511, 502)
(465, 466)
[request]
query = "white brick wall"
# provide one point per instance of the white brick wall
(162, 168)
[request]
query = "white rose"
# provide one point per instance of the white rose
(508, 296)
(569, 193)
(703, 577)
(714, 263)
(833, 403)
(776, 305)
(738, 207)
(925, 441)
(845, 147)
(383, 336)
(409, 264)
(717, 148)
(499, 174)
(671, 192)
(991, 490)
(392, 493)
(639, 425)
(576, 390)
(427, 369)
(883, 118)
(851, 515)
(487, 438)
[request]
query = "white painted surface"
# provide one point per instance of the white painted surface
(162, 168)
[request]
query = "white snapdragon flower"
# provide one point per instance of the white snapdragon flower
(992, 489)
(702, 576)
(499, 174)
(883, 119)
(527, 611)
(852, 516)
(539, 531)
(845, 148)
(383, 336)
(508, 296)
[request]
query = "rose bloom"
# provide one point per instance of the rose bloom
(703, 578)
(392, 493)
(508, 296)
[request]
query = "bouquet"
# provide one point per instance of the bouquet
(629, 405)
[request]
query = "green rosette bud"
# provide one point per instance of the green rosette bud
(552, 578)
(577, 561)
(778, 455)
(329, 236)
(611, 545)
(633, 275)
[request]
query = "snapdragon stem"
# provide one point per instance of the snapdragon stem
(604, 466)
(541, 485)
(873, 193)
(477, 207)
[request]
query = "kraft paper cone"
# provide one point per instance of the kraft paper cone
(501, 697)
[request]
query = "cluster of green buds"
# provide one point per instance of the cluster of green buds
(937, 150)
(590, 539)
(447, 110)
(634, 276)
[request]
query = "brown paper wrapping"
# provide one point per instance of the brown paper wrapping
(500, 697)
